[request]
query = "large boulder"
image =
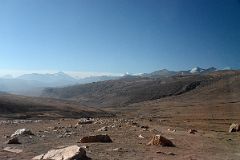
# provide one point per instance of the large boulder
(234, 128)
(13, 140)
(69, 153)
(97, 138)
(160, 140)
(22, 131)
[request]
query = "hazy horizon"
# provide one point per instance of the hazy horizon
(75, 74)
(82, 74)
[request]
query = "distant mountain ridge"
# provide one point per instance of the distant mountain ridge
(163, 72)
(168, 73)
(33, 84)
(59, 78)
(133, 89)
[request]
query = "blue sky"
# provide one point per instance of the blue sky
(118, 36)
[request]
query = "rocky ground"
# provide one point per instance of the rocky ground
(129, 138)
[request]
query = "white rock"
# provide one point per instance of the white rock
(68, 153)
(234, 128)
(85, 121)
(140, 136)
(105, 128)
(171, 130)
(22, 131)
(39, 157)
(13, 150)
(117, 149)
(160, 140)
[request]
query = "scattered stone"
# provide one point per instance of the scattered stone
(56, 128)
(70, 126)
(85, 121)
(192, 131)
(77, 125)
(160, 140)
(6, 136)
(68, 153)
(154, 131)
(135, 124)
(140, 136)
(97, 138)
(162, 120)
(170, 153)
(12, 150)
(85, 147)
(42, 136)
(171, 130)
(113, 126)
(18, 121)
(117, 149)
(234, 128)
(105, 128)
(60, 136)
(13, 140)
(145, 127)
(96, 122)
(67, 134)
(22, 131)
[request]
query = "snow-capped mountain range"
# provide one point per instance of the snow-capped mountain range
(201, 70)
(167, 73)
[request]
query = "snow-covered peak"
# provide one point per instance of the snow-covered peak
(197, 70)
(201, 70)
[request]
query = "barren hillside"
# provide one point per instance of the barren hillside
(126, 91)
(13, 106)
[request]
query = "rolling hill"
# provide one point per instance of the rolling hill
(84, 100)
(128, 90)
(21, 107)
